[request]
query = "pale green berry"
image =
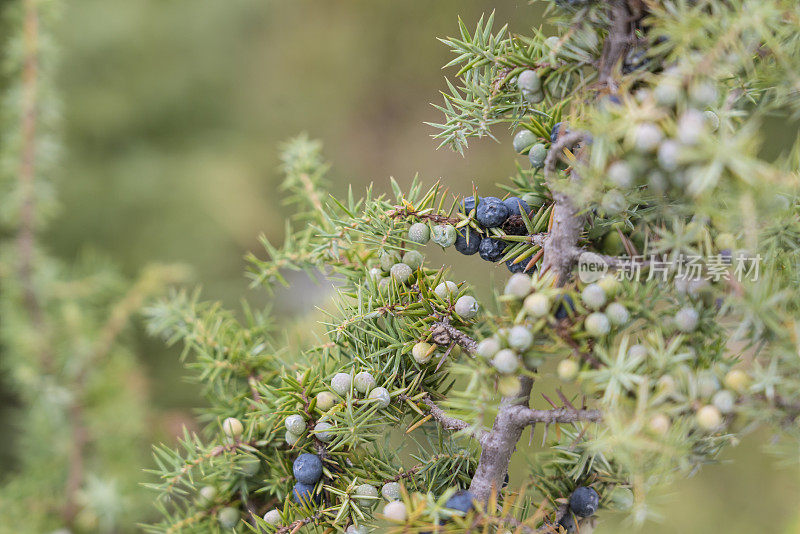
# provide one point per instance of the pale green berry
(352, 529)
(537, 155)
(537, 305)
(444, 235)
(467, 307)
(523, 139)
(613, 202)
(568, 370)
(703, 94)
(422, 352)
(593, 296)
(366, 490)
(325, 400)
(708, 418)
(691, 126)
(388, 258)
(712, 119)
(509, 386)
(622, 498)
(617, 314)
(446, 289)
(737, 380)
(520, 338)
(552, 42)
(248, 465)
(669, 155)
(419, 233)
(323, 431)
(395, 511)
(667, 92)
(707, 384)
(272, 517)
(391, 491)
(533, 97)
(647, 137)
(228, 517)
(519, 285)
(292, 438)
(610, 285)
(206, 495)
(295, 424)
(597, 324)
(381, 396)
(383, 285)
(637, 352)
(725, 241)
(413, 259)
(659, 424)
(340, 383)
(666, 385)
(533, 360)
(364, 382)
(232, 427)
(401, 272)
(686, 319)
(505, 361)
(375, 273)
(724, 400)
(620, 174)
(488, 347)
(529, 80)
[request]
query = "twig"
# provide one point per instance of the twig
(444, 333)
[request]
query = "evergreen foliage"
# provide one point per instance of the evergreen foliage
(649, 114)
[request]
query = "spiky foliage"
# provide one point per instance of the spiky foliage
(74, 454)
(646, 372)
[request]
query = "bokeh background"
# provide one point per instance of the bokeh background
(173, 113)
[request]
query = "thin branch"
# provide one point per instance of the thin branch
(526, 416)
(447, 422)
(444, 333)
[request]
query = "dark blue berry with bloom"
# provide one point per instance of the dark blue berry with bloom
(304, 493)
(468, 204)
(519, 267)
(491, 249)
(465, 246)
(514, 204)
(584, 501)
(462, 500)
(307, 468)
(491, 212)
(564, 302)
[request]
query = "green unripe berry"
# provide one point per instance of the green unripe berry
(381, 397)
(725, 241)
(340, 383)
(667, 92)
(413, 259)
(724, 400)
(597, 324)
(712, 119)
(523, 139)
(737, 380)
(206, 495)
(419, 233)
(366, 490)
(232, 427)
(613, 203)
(422, 352)
(622, 498)
(445, 289)
(488, 347)
(352, 529)
(647, 137)
(708, 418)
(391, 491)
(666, 385)
(248, 465)
(593, 296)
(520, 338)
(617, 314)
(533, 97)
(364, 382)
(509, 386)
(273, 517)
(620, 174)
(292, 438)
(707, 384)
(529, 81)
(686, 319)
(568, 370)
(401, 272)
(519, 285)
(444, 235)
(703, 94)
(467, 307)
(295, 424)
(323, 431)
(375, 273)
(228, 517)
(537, 155)
(659, 424)
(505, 361)
(610, 285)
(537, 305)
(637, 352)
(395, 511)
(388, 258)
(325, 401)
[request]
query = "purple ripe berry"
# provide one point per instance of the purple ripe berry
(520, 266)
(468, 241)
(304, 493)
(491, 249)
(462, 501)
(515, 205)
(564, 302)
(584, 501)
(307, 468)
(468, 204)
(558, 130)
(491, 212)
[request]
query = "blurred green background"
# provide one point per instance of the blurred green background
(173, 111)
